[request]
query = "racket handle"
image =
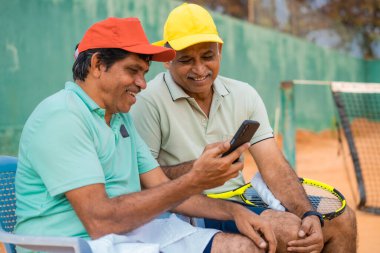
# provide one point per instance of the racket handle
(265, 194)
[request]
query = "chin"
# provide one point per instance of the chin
(125, 109)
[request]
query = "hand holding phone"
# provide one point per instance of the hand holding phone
(243, 135)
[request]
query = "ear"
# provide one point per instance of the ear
(167, 65)
(96, 66)
(220, 47)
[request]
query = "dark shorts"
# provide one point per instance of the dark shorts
(209, 245)
(229, 225)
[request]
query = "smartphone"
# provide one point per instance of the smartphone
(244, 134)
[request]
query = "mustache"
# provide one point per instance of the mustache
(209, 73)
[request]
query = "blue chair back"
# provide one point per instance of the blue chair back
(8, 165)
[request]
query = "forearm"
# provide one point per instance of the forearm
(280, 177)
(178, 170)
(102, 215)
(284, 184)
(202, 206)
(122, 214)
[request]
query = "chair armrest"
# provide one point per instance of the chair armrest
(49, 244)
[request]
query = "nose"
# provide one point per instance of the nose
(199, 68)
(140, 82)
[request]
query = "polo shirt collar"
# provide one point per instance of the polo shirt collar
(87, 100)
(220, 88)
(177, 92)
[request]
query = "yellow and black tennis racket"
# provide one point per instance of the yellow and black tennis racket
(325, 199)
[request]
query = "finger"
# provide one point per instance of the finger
(307, 249)
(217, 149)
(310, 240)
(233, 169)
(304, 228)
(270, 238)
(237, 152)
(237, 166)
(256, 238)
(213, 145)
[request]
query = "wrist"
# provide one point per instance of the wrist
(314, 213)
(235, 210)
(191, 182)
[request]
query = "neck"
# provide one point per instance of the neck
(107, 118)
(204, 101)
(90, 89)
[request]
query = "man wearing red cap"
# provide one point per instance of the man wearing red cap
(82, 164)
(191, 105)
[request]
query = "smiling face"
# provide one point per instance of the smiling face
(121, 82)
(196, 67)
(115, 88)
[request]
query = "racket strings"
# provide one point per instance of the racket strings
(251, 195)
(323, 200)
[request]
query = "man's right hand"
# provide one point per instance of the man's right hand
(211, 170)
(255, 228)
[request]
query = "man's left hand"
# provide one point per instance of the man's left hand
(255, 228)
(311, 237)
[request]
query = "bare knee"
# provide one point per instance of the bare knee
(285, 226)
(349, 219)
(233, 243)
(344, 225)
(340, 234)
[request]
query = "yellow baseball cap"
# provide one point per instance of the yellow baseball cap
(188, 24)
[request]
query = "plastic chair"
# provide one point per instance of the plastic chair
(8, 240)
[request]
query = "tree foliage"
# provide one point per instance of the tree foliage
(352, 22)
(362, 16)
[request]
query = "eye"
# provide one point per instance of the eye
(132, 70)
(208, 57)
(184, 60)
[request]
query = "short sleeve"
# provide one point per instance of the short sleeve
(145, 160)
(63, 153)
(260, 114)
(147, 121)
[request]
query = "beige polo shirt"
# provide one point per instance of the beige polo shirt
(177, 130)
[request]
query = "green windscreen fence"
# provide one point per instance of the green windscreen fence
(38, 39)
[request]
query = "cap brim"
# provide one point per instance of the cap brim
(184, 42)
(158, 53)
(160, 43)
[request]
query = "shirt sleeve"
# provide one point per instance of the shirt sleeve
(63, 154)
(259, 113)
(147, 120)
(145, 160)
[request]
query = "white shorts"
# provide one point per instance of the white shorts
(168, 235)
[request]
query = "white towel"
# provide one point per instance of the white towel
(265, 194)
(151, 237)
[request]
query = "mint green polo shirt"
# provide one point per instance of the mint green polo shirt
(177, 130)
(66, 144)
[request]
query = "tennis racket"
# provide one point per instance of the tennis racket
(325, 199)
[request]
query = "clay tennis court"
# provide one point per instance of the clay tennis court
(320, 157)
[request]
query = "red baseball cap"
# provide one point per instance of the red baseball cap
(123, 33)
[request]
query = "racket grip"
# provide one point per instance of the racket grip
(265, 194)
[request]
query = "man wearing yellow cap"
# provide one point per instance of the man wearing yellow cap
(190, 106)
(84, 171)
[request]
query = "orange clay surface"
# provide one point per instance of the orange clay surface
(320, 157)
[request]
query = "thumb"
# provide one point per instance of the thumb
(305, 227)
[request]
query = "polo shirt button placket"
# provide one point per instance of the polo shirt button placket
(204, 123)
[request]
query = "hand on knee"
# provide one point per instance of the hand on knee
(285, 226)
